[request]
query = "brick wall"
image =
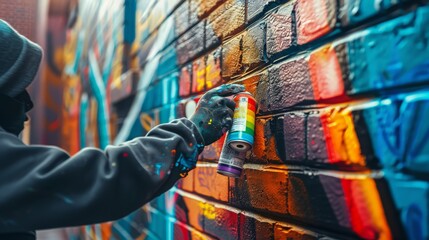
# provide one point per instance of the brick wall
(341, 146)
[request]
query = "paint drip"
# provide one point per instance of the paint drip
(241, 135)
(231, 162)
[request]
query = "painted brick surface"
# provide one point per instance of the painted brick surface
(191, 43)
(204, 7)
(314, 18)
(285, 232)
(402, 54)
(289, 85)
(256, 189)
(256, 7)
(255, 228)
(341, 133)
(207, 182)
(280, 30)
(213, 69)
(199, 75)
(224, 21)
(232, 55)
(253, 47)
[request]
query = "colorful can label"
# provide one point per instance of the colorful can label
(242, 132)
(231, 162)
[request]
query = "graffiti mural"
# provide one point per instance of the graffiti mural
(340, 137)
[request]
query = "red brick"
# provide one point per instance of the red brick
(261, 189)
(191, 44)
(315, 18)
(294, 137)
(282, 232)
(289, 85)
(185, 81)
(231, 57)
(222, 223)
(209, 183)
(326, 74)
(255, 228)
(256, 7)
(280, 33)
(253, 47)
(199, 75)
(213, 69)
(226, 20)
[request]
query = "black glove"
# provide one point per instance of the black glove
(214, 113)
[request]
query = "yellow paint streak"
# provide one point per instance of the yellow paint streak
(201, 79)
(208, 210)
(344, 144)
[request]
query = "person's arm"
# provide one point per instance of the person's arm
(43, 187)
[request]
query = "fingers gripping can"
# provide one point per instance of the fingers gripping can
(241, 135)
(231, 162)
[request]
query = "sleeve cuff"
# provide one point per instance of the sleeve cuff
(198, 137)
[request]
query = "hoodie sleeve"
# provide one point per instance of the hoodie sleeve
(43, 187)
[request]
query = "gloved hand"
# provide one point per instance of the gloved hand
(214, 113)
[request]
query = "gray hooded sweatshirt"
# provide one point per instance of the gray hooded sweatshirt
(44, 187)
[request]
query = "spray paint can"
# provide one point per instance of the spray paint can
(241, 135)
(230, 162)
